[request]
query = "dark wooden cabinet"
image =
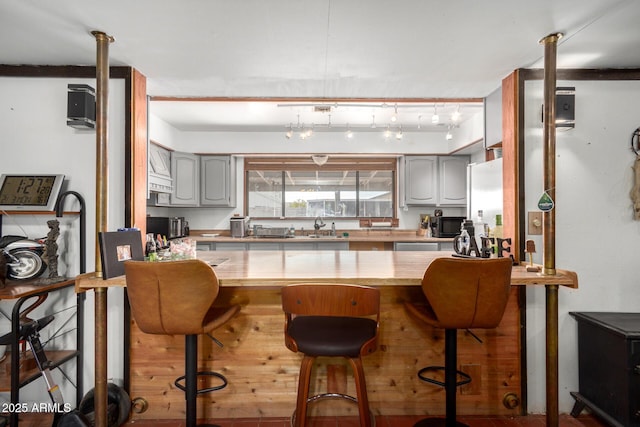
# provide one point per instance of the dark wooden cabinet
(609, 366)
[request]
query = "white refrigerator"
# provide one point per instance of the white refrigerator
(484, 187)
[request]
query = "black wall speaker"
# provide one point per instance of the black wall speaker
(81, 107)
(565, 107)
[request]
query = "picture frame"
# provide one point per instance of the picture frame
(116, 247)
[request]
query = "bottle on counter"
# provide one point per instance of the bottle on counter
(496, 233)
(497, 230)
(480, 227)
(150, 248)
(333, 228)
(464, 243)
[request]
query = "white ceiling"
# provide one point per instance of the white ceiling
(318, 50)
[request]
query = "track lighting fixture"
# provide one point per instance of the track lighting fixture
(435, 119)
(349, 133)
(353, 117)
(449, 135)
(455, 116)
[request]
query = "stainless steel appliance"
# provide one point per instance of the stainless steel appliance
(484, 186)
(171, 227)
(239, 226)
(446, 226)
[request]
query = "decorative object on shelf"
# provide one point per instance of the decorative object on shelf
(50, 255)
(531, 249)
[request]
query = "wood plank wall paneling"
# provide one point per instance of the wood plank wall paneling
(511, 155)
(263, 373)
(138, 161)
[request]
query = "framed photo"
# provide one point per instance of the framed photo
(116, 247)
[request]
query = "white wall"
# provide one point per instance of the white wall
(36, 139)
(596, 235)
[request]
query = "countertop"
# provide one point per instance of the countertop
(392, 236)
(273, 269)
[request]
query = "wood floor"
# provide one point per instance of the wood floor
(39, 420)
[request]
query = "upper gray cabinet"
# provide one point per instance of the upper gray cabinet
(435, 180)
(452, 176)
(421, 180)
(217, 181)
(185, 168)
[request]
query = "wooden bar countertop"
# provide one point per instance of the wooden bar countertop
(265, 269)
(262, 372)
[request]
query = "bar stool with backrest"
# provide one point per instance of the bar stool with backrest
(462, 293)
(176, 298)
(331, 320)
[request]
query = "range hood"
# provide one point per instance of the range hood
(159, 173)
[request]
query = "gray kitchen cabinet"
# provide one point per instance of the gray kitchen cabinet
(300, 246)
(452, 180)
(417, 246)
(333, 246)
(421, 180)
(205, 246)
(217, 181)
(230, 246)
(264, 246)
(186, 179)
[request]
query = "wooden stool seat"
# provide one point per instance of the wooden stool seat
(176, 298)
(331, 320)
(461, 293)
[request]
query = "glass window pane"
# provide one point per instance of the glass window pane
(376, 194)
(264, 194)
(320, 193)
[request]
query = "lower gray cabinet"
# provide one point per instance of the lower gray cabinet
(419, 246)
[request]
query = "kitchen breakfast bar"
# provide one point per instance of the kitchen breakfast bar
(262, 372)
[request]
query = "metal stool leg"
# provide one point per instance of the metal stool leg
(450, 384)
(191, 381)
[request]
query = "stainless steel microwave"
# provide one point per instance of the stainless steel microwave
(171, 227)
(446, 226)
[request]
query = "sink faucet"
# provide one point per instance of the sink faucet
(317, 226)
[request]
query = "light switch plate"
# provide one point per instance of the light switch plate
(535, 222)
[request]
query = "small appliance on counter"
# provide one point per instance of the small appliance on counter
(446, 226)
(239, 226)
(171, 227)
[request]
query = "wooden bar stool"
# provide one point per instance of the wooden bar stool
(331, 320)
(176, 298)
(462, 293)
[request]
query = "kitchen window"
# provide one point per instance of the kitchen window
(340, 188)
